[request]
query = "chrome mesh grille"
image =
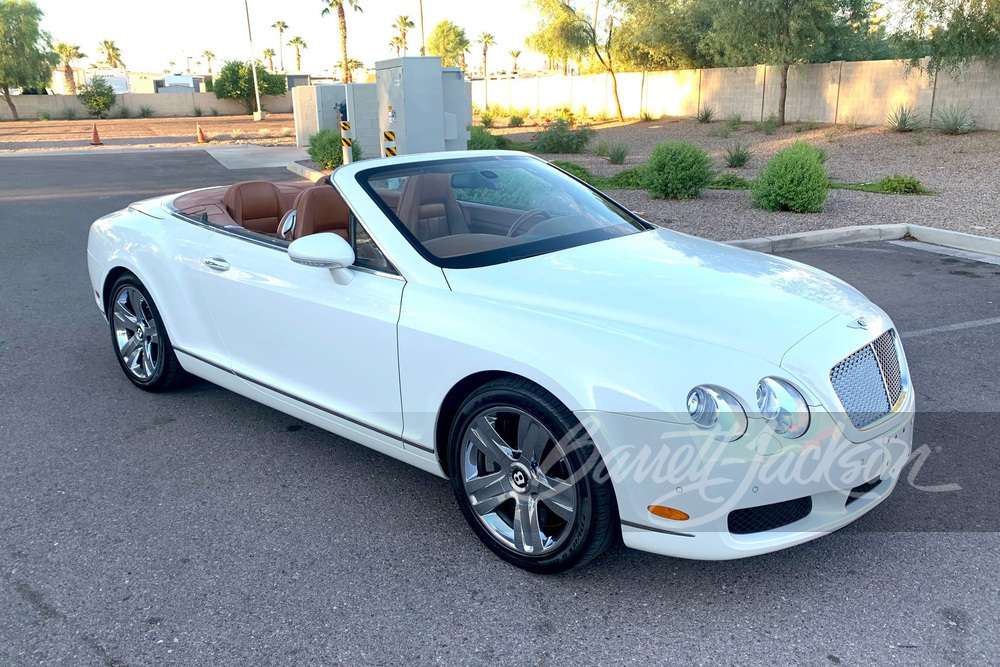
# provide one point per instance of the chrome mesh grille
(868, 382)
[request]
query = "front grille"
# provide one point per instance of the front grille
(869, 382)
(769, 517)
(862, 489)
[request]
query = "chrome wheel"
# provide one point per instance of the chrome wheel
(136, 333)
(517, 479)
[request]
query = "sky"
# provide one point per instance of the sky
(150, 35)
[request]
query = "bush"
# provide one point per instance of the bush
(98, 96)
(853, 122)
(678, 170)
(197, 112)
(603, 148)
(901, 185)
(215, 112)
(124, 112)
(809, 125)
(730, 182)
(480, 139)
(617, 153)
(235, 82)
(903, 118)
(515, 121)
(69, 113)
(629, 179)
(566, 114)
(325, 149)
(723, 132)
(794, 180)
(44, 115)
(646, 117)
(486, 119)
(769, 125)
(559, 138)
(706, 114)
(954, 119)
(734, 121)
(145, 111)
(738, 154)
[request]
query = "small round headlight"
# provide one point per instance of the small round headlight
(715, 409)
(783, 408)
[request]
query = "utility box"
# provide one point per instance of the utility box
(423, 107)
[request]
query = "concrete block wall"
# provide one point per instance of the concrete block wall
(978, 89)
(175, 104)
(813, 92)
(733, 90)
(869, 91)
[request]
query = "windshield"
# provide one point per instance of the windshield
(479, 211)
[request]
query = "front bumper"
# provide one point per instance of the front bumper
(653, 462)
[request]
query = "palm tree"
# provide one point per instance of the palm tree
(68, 53)
(209, 56)
(269, 54)
(197, 65)
(112, 54)
(422, 40)
(171, 63)
(338, 6)
(299, 44)
(514, 54)
(402, 24)
(397, 43)
(487, 40)
(352, 65)
(281, 27)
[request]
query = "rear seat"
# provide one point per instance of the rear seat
(255, 205)
(317, 209)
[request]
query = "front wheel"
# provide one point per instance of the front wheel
(528, 479)
(140, 340)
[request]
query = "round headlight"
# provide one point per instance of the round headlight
(782, 407)
(715, 409)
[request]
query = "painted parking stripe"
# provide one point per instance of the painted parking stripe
(952, 327)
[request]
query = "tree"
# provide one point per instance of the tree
(560, 36)
(950, 32)
(112, 54)
(209, 56)
(352, 65)
(98, 96)
(486, 40)
(602, 46)
(299, 44)
(449, 42)
(771, 32)
(171, 63)
(26, 55)
(68, 53)
(281, 27)
(664, 34)
(397, 43)
(514, 54)
(422, 40)
(269, 54)
(338, 6)
(402, 24)
(235, 82)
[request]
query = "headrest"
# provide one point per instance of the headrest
(321, 209)
(253, 200)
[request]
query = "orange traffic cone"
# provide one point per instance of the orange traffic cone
(96, 141)
(201, 136)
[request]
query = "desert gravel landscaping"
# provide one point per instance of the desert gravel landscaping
(962, 171)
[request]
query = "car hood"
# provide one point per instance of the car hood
(680, 285)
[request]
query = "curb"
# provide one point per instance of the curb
(305, 172)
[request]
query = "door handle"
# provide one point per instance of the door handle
(216, 263)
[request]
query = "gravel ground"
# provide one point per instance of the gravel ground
(963, 172)
(48, 135)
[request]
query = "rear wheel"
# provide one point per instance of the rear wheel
(140, 340)
(522, 471)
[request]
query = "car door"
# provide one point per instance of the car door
(292, 330)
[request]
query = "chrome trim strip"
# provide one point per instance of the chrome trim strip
(311, 404)
(654, 529)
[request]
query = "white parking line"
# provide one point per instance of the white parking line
(952, 327)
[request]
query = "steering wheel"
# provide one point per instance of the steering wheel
(529, 215)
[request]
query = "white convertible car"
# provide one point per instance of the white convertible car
(579, 374)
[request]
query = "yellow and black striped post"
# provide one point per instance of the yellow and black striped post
(345, 141)
(389, 142)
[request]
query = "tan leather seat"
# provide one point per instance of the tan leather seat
(429, 209)
(316, 210)
(255, 205)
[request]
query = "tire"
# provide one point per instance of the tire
(522, 471)
(140, 342)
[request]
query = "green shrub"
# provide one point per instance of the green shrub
(901, 185)
(769, 125)
(326, 150)
(125, 112)
(723, 132)
(730, 182)
(629, 179)
(853, 122)
(808, 125)
(498, 111)
(954, 119)
(215, 112)
(98, 96)
(794, 180)
(646, 117)
(738, 154)
(69, 113)
(734, 121)
(904, 118)
(559, 138)
(617, 153)
(706, 114)
(480, 139)
(577, 170)
(678, 170)
(44, 115)
(197, 112)
(145, 111)
(603, 148)
(515, 121)
(486, 119)
(566, 114)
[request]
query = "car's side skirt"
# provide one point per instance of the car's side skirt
(413, 453)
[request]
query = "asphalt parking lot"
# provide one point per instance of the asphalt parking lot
(199, 528)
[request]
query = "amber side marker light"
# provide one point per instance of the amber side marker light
(668, 513)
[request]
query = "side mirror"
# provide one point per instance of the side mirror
(326, 251)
